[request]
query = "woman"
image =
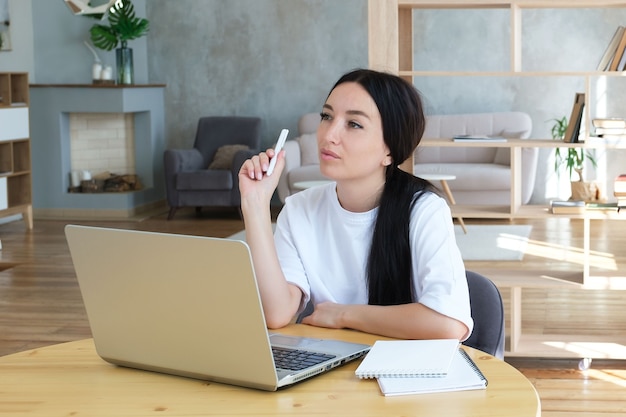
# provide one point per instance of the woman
(375, 249)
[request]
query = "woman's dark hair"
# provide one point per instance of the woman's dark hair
(403, 122)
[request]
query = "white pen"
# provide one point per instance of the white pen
(279, 146)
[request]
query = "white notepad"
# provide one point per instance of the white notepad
(463, 375)
(408, 358)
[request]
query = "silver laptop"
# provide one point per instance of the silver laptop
(188, 306)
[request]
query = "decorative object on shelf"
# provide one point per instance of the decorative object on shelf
(84, 8)
(123, 27)
(100, 74)
(572, 160)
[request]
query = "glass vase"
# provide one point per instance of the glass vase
(124, 60)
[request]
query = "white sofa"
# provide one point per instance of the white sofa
(482, 173)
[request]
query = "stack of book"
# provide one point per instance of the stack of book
(405, 367)
(567, 207)
(611, 128)
(614, 57)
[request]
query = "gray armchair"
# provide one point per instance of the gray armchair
(190, 182)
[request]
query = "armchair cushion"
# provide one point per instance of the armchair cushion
(224, 156)
(206, 179)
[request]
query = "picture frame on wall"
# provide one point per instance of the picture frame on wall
(5, 26)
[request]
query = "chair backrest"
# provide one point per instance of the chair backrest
(488, 315)
(216, 131)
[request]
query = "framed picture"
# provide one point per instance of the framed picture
(5, 26)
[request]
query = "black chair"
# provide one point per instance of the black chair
(488, 315)
(486, 309)
(190, 176)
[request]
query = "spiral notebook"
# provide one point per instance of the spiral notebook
(463, 375)
(408, 358)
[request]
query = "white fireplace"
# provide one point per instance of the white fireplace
(96, 128)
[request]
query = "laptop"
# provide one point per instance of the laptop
(188, 306)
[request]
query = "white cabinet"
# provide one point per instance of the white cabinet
(14, 123)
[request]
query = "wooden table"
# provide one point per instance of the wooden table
(70, 379)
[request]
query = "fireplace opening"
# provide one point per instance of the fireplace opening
(102, 153)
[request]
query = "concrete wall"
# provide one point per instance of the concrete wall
(274, 59)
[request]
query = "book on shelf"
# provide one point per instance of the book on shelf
(609, 123)
(463, 375)
(573, 127)
(478, 138)
(408, 358)
(622, 63)
(609, 131)
(611, 49)
(567, 207)
(619, 52)
(602, 206)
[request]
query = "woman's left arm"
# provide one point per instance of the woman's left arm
(404, 321)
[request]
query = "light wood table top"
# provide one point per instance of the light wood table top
(70, 379)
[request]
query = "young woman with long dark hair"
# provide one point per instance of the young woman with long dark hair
(374, 250)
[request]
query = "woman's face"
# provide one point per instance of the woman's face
(350, 136)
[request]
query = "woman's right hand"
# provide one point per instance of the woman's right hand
(254, 184)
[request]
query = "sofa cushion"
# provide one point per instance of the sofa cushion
(450, 155)
(217, 179)
(224, 156)
(308, 149)
(471, 177)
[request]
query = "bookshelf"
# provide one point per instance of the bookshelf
(393, 47)
(15, 161)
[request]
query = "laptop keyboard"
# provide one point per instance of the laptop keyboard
(295, 360)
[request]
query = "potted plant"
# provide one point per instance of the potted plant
(123, 27)
(572, 160)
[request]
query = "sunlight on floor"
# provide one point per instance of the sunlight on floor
(512, 242)
(591, 349)
(606, 376)
(571, 254)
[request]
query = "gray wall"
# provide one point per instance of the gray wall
(275, 59)
(21, 56)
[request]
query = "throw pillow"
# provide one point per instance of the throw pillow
(224, 156)
(308, 149)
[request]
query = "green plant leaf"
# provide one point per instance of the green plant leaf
(124, 26)
(103, 37)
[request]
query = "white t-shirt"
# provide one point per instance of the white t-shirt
(323, 249)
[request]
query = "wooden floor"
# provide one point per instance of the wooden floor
(40, 303)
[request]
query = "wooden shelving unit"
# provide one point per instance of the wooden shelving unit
(391, 48)
(15, 151)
